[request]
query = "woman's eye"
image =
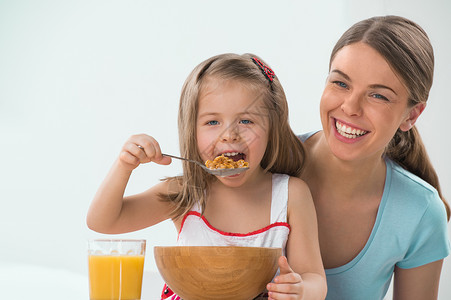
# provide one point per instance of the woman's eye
(340, 84)
(379, 96)
(212, 123)
(246, 122)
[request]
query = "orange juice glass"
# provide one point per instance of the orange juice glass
(116, 269)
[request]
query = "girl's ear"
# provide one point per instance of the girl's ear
(412, 116)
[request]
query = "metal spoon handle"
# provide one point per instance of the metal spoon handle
(182, 158)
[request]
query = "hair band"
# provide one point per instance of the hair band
(269, 74)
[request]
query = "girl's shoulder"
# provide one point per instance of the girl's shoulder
(297, 183)
(298, 192)
(300, 202)
(294, 184)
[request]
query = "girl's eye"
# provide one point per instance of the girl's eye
(340, 84)
(246, 122)
(212, 123)
(379, 96)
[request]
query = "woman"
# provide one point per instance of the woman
(378, 200)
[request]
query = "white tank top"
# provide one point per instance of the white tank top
(197, 231)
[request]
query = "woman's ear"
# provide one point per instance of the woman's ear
(412, 116)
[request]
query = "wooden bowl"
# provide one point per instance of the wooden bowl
(205, 272)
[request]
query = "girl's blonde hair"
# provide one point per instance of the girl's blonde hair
(284, 152)
(406, 47)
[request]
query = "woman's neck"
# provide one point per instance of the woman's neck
(345, 179)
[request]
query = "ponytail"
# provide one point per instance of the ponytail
(407, 149)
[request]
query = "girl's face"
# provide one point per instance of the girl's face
(233, 121)
(363, 104)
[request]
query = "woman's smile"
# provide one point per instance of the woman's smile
(347, 131)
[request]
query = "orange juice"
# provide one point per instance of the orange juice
(115, 277)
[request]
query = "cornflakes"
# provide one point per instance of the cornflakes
(222, 162)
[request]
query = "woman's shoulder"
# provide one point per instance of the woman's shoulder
(305, 136)
(409, 184)
(413, 195)
(416, 217)
(310, 140)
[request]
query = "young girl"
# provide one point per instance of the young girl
(232, 105)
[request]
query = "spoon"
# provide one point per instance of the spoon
(216, 172)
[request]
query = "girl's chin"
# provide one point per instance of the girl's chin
(233, 176)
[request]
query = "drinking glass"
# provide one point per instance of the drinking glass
(116, 269)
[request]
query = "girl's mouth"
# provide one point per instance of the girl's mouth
(236, 156)
(348, 131)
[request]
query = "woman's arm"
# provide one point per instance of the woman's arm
(419, 283)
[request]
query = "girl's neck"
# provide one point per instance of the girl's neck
(243, 208)
(252, 184)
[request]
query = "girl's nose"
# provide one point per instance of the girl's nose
(230, 134)
(352, 105)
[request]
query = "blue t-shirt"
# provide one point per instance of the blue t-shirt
(410, 231)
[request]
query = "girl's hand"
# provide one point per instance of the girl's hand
(287, 285)
(140, 149)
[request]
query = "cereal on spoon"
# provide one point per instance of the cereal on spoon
(222, 162)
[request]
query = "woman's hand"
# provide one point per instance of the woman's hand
(140, 149)
(287, 285)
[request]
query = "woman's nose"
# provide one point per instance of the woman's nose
(352, 104)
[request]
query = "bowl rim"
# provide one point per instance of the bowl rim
(198, 247)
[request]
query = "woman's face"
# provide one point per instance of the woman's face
(232, 121)
(363, 104)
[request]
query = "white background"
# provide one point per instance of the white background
(78, 77)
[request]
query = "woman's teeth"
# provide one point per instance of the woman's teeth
(349, 132)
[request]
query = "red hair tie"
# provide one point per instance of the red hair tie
(269, 74)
